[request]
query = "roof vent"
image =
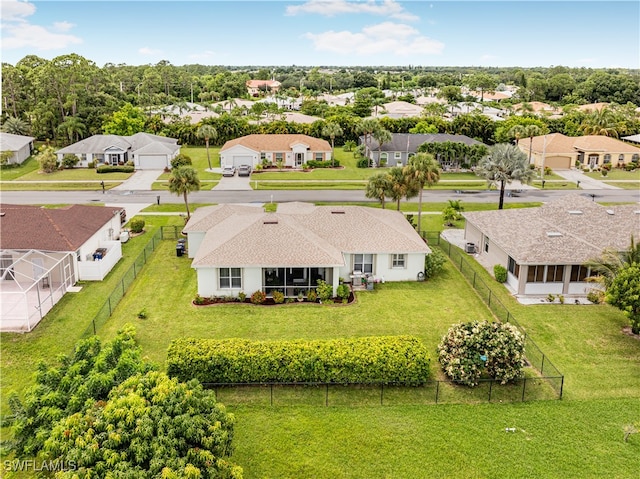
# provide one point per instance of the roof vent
(611, 212)
(2, 213)
(575, 212)
(337, 212)
(553, 234)
(271, 222)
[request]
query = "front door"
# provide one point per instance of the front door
(299, 159)
(593, 161)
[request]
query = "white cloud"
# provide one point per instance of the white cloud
(330, 8)
(149, 51)
(207, 54)
(487, 57)
(386, 37)
(17, 32)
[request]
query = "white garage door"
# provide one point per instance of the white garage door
(242, 160)
(149, 162)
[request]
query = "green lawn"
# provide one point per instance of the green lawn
(74, 174)
(164, 185)
(27, 166)
(173, 207)
(555, 184)
(626, 185)
(616, 174)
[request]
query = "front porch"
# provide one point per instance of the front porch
(294, 281)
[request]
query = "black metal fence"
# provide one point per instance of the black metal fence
(534, 354)
(356, 394)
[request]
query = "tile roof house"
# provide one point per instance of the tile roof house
(404, 145)
(241, 248)
(293, 150)
(258, 87)
(544, 248)
(398, 109)
(562, 152)
(146, 151)
(44, 252)
(20, 146)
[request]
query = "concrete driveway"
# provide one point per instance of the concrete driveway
(141, 180)
(233, 183)
(586, 182)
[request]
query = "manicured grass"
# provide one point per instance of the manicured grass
(173, 207)
(54, 186)
(616, 174)
(164, 185)
(27, 166)
(553, 439)
(77, 174)
(626, 185)
(555, 184)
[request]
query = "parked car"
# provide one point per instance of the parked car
(229, 171)
(244, 170)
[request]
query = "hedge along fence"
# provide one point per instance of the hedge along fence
(372, 360)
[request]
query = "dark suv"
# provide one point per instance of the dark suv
(244, 170)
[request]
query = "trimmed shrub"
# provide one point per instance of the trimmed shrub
(322, 164)
(136, 225)
(69, 161)
(181, 160)
(115, 169)
(258, 297)
(470, 350)
(388, 360)
(242, 296)
(343, 292)
(595, 296)
(500, 273)
(312, 296)
(630, 166)
(362, 163)
(434, 263)
(91, 164)
(324, 290)
(278, 297)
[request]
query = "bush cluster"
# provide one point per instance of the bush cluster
(470, 350)
(322, 164)
(500, 273)
(115, 169)
(258, 297)
(434, 263)
(386, 359)
(362, 163)
(136, 225)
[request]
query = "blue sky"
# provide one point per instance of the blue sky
(327, 32)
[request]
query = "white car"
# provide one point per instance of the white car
(229, 171)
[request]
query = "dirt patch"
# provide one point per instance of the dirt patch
(628, 332)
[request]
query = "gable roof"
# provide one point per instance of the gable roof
(11, 142)
(25, 227)
(411, 141)
(99, 143)
(261, 83)
(570, 230)
(559, 143)
(299, 234)
(279, 142)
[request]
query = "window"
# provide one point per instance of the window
(579, 273)
(230, 278)
(363, 263)
(607, 158)
(513, 267)
(621, 158)
(397, 155)
(486, 244)
(555, 273)
(263, 156)
(635, 157)
(279, 157)
(319, 156)
(535, 273)
(398, 261)
(384, 157)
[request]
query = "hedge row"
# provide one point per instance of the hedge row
(323, 163)
(115, 169)
(385, 359)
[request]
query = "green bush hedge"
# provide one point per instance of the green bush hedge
(115, 169)
(500, 273)
(384, 359)
(322, 164)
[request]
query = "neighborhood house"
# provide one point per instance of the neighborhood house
(544, 249)
(44, 252)
(291, 150)
(17, 148)
(144, 150)
(239, 248)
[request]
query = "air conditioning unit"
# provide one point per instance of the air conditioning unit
(470, 248)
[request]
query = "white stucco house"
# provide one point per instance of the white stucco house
(544, 249)
(146, 151)
(294, 150)
(241, 248)
(44, 252)
(20, 146)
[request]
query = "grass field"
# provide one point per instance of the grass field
(626, 185)
(616, 174)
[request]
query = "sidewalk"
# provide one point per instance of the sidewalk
(586, 182)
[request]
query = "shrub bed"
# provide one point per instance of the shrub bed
(322, 164)
(115, 169)
(385, 359)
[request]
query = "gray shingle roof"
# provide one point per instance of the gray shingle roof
(411, 141)
(99, 143)
(570, 230)
(11, 142)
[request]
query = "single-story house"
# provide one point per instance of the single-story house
(560, 152)
(146, 151)
(258, 87)
(44, 252)
(293, 150)
(405, 145)
(20, 146)
(241, 248)
(398, 109)
(544, 249)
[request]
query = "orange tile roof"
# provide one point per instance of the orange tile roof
(278, 142)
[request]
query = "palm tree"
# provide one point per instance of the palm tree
(606, 267)
(424, 170)
(332, 129)
(73, 127)
(15, 126)
(600, 122)
(366, 128)
(378, 187)
(402, 186)
(207, 132)
(381, 136)
(503, 164)
(526, 131)
(182, 181)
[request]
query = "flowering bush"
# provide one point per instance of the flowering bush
(258, 297)
(469, 350)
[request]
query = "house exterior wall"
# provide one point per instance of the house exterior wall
(226, 157)
(382, 267)
(98, 270)
(22, 154)
(209, 285)
(195, 239)
(109, 232)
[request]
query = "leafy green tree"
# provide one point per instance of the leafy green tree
(505, 133)
(483, 82)
(127, 121)
(150, 426)
(378, 187)
(434, 263)
(624, 294)
(72, 127)
(424, 127)
(600, 122)
(425, 171)
(504, 164)
(15, 126)
(332, 130)
(79, 380)
(207, 132)
(402, 185)
(184, 180)
(382, 136)
(47, 159)
(526, 131)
